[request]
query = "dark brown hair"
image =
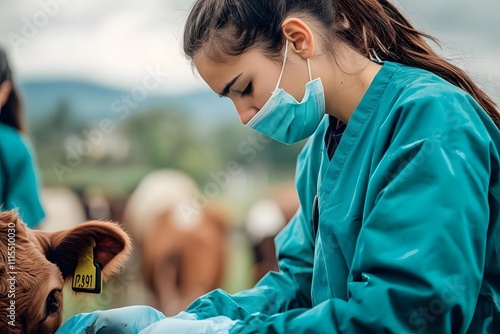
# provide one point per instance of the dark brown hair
(369, 26)
(11, 113)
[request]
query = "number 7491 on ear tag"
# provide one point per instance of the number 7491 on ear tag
(87, 276)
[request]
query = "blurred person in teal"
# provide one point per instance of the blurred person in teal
(19, 188)
(398, 229)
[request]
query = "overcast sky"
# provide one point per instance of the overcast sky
(114, 41)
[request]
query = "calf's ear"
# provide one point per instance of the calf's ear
(112, 247)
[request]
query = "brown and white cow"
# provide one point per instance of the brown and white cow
(183, 244)
(34, 266)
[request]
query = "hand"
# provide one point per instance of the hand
(124, 320)
(216, 325)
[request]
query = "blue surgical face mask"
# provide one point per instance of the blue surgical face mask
(286, 120)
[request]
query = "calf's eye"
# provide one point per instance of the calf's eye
(52, 302)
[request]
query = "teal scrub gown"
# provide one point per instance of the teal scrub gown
(19, 188)
(408, 236)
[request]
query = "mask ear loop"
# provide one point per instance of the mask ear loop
(374, 56)
(283, 67)
(309, 68)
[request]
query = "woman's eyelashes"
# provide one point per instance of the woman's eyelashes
(248, 90)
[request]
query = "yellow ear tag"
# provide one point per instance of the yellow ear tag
(87, 276)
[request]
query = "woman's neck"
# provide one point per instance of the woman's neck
(347, 81)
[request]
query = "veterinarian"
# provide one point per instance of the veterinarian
(399, 226)
(19, 186)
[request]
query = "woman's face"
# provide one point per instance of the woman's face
(249, 79)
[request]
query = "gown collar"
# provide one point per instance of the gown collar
(369, 104)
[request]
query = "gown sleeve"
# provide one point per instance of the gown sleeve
(420, 253)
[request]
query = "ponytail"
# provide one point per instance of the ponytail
(378, 27)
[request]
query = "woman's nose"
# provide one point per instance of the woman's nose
(245, 111)
(245, 118)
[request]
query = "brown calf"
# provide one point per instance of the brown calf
(179, 265)
(34, 266)
(183, 246)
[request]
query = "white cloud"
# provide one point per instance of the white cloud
(122, 40)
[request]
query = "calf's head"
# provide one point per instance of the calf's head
(34, 266)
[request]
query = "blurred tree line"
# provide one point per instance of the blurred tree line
(115, 154)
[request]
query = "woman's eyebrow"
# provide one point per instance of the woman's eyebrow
(226, 89)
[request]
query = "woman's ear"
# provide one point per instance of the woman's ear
(300, 36)
(5, 89)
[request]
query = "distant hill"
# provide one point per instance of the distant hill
(89, 102)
